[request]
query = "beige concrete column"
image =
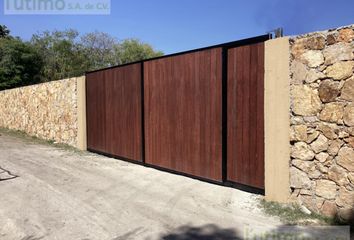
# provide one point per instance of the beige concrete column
(81, 113)
(277, 120)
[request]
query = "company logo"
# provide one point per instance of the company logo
(55, 7)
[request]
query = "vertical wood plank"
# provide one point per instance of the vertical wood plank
(245, 123)
(260, 117)
(114, 111)
(183, 113)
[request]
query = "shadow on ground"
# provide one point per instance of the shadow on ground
(347, 219)
(213, 232)
(6, 175)
(312, 232)
(206, 232)
(32, 238)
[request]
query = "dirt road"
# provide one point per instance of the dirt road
(52, 193)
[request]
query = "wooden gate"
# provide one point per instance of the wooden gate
(245, 111)
(183, 113)
(198, 113)
(114, 121)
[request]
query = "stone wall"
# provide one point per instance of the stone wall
(322, 121)
(48, 111)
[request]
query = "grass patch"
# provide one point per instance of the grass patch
(35, 140)
(292, 214)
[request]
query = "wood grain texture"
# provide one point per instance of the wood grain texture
(245, 121)
(114, 111)
(183, 111)
(95, 111)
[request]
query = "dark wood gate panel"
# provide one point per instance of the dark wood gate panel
(95, 111)
(199, 112)
(245, 111)
(114, 111)
(183, 111)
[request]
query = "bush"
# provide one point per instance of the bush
(20, 63)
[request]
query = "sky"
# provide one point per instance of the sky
(179, 25)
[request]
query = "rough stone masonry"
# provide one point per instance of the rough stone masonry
(322, 121)
(47, 110)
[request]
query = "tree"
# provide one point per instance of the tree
(67, 54)
(4, 31)
(131, 50)
(104, 50)
(20, 63)
(99, 49)
(62, 54)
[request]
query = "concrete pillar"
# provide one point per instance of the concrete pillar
(81, 112)
(277, 120)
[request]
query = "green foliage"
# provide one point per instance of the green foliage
(99, 48)
(67, 54)
(62, 54)
(20, 63)
(4, 32)
(292, 214)
(132, 50)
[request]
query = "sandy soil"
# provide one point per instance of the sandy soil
(51, 193)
